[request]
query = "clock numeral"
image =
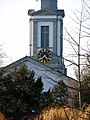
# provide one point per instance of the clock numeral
(44, 61)
(39, 58)
(49, 58)
(44, 50)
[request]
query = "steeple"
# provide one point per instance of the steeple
(49, 4)
(46, 34)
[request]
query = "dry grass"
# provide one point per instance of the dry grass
(2, 117)
(64, 113)
(84, 115)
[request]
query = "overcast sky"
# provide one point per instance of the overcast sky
(14, 24)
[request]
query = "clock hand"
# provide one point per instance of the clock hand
(44, 56)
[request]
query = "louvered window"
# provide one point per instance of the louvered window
(44, 36)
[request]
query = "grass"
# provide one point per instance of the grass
(64, 113)
(2, 117)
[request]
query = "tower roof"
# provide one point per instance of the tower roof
(49, 4)
(46, 12)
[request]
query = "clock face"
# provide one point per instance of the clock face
(44, 55)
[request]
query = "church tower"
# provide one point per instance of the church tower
(46, 35)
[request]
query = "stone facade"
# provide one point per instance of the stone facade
(56, 19)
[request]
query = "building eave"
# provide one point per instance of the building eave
(46, 12)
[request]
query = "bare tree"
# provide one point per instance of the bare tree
(2, 56)
(80, 52)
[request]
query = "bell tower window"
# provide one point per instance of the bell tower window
(44, 36)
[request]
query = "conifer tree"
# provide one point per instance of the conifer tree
(59, 94)
(19, 91)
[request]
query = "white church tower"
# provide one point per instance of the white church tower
(46, 46)
(46, 33)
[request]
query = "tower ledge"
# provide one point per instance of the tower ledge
(32, 12)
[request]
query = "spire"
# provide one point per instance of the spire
(49, 4)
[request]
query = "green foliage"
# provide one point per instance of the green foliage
(55, 97)
(19, 91)
(46, 99)
(59, 94)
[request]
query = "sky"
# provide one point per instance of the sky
(14, 26)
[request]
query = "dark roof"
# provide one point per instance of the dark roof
(29, 59)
